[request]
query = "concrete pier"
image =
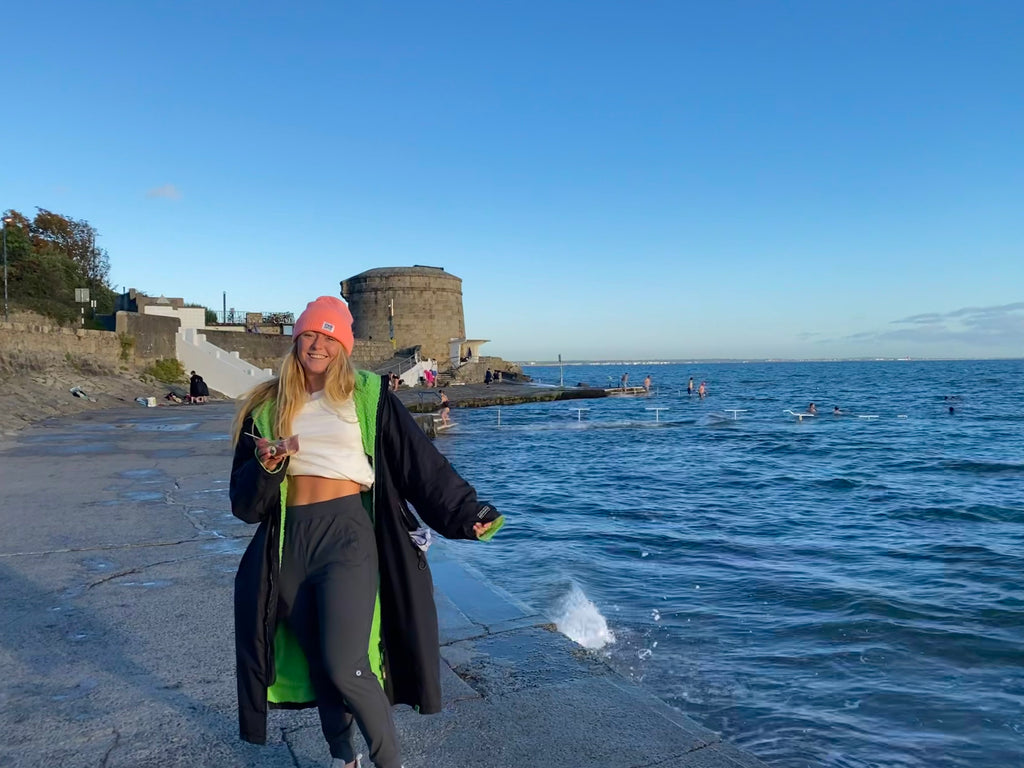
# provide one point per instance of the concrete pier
(424, 399)
(117, 560)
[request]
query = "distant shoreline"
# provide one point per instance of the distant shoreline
(754, 361)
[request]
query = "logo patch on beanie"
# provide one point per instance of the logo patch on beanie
(328, 326)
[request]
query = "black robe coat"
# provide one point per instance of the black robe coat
(407, 466)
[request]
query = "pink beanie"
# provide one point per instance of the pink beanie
(330, 316)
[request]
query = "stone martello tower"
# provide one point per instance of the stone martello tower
(427, 307)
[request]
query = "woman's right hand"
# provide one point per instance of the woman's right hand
(268, 455)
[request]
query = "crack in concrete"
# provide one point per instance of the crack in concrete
(291, 751)
(202, 528)
(672, 760)
(141, 568)
(106, 757)
(102, 548)
(542, 623)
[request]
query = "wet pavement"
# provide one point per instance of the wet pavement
(117, 562)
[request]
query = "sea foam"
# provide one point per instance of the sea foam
(579, 619)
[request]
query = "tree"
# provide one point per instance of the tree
(76, 239)
(51, 255)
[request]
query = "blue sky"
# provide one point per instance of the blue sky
(610, 180)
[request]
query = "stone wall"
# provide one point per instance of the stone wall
(153, 334)
(474, 373)
(369, 354)
(427, 307)
(36, 346)
(30, 342)
(264, 350)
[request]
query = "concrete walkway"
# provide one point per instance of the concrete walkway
(116, 566)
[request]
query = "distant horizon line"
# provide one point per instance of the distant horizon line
(712, 360)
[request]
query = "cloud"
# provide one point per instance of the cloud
(987, 327)
(930, 318)
(167, 191)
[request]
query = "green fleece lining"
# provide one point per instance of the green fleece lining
(292, 684)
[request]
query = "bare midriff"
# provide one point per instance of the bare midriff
(309, 489)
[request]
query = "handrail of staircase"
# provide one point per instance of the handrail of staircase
(400, 367)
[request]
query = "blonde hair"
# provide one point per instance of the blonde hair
(288, 389)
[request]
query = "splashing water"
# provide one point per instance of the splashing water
(578, 619)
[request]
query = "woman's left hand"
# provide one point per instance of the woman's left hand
(481, 528)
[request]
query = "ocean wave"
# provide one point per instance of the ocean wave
(981, 467)
(978, 513)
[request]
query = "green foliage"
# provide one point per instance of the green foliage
(128, 345)
(60, 313)
(168, 370)
(48, 258)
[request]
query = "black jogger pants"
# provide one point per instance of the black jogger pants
(327, 590)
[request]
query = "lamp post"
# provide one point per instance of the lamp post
(7, 315)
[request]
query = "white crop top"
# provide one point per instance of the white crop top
(330, 443)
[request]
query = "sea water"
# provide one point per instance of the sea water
(826, 591)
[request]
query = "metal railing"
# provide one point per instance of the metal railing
(397, 366)
(241, 317)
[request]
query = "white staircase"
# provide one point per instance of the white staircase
(411, 376)
(223, 371)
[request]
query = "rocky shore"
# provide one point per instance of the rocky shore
(31, 395)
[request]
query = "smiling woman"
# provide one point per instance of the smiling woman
(333, 568)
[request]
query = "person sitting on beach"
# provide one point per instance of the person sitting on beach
(333, 540)
(204, 390)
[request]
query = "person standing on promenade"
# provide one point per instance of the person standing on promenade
(647, 383)
(624, 380)
(689, 387)
(334, 600)
(444, 412)
(193, 387)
